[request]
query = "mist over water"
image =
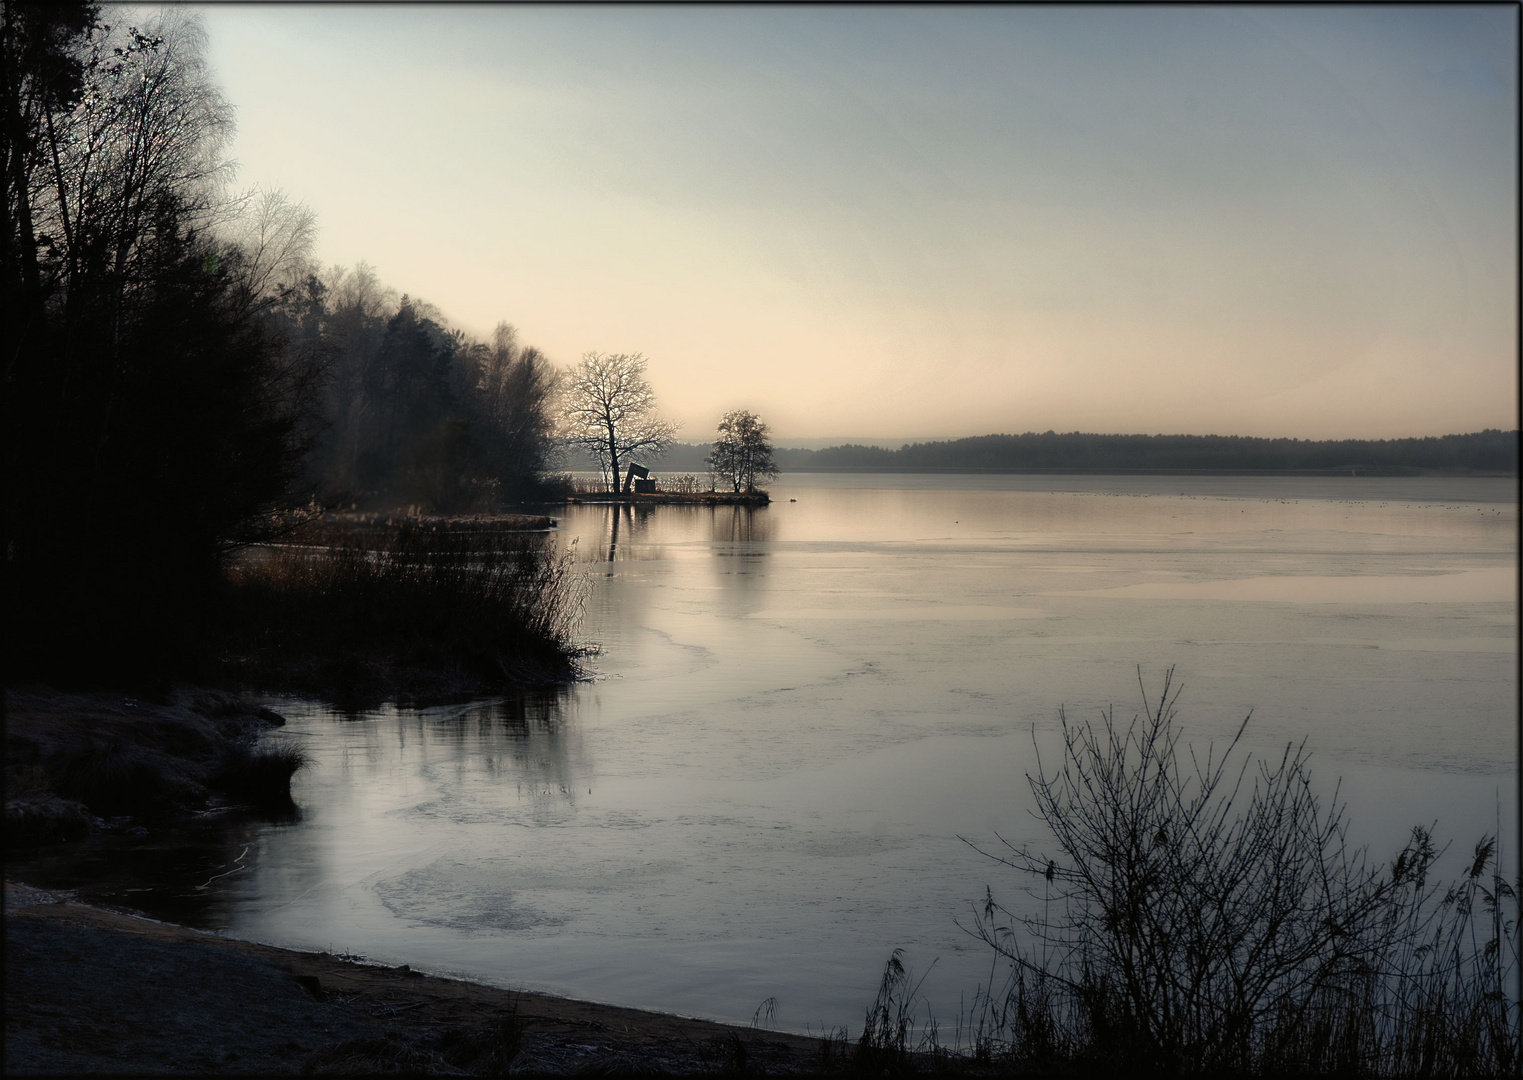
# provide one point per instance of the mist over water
(798, 711)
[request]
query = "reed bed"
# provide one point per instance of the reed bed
(488, 607)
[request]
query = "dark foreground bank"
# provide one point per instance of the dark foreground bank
(92, 990)
(82, 763)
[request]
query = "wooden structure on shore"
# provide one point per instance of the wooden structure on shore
(637, 481)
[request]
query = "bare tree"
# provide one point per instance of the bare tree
(742, 452)
(609, 410)
(276, 236)
(146, 134)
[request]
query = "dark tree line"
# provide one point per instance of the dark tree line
(1484, 451)
(174, 372)
(152, 414)
(414, 412)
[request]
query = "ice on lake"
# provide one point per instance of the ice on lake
(799, 711)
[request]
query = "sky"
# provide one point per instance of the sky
(930, 222)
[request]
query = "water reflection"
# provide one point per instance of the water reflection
(740, 524)
(523, 740)
(642, 531)
(632, 521)
(183, 874)
(615, 513)
(740, 537)
(528, 741)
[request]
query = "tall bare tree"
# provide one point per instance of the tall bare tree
(609, 411)
(277, 236)
(145, 138)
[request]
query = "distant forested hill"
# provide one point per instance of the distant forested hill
(1482, 451)
(1489, 451)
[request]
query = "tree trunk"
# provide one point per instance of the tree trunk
(613, 459)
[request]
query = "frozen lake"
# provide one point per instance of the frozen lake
(798, 711)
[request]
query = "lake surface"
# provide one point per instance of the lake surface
(798, 711)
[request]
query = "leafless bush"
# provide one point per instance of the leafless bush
(1206, 914)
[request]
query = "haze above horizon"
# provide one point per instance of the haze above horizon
(1290, 222)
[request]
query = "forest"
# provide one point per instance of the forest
(181, 378)
(1489, 451)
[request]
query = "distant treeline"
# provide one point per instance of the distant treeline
(1482, 451)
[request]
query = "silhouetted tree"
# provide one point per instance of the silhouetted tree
(514, 394)
(355, 310)
(153, 415)
(43, 73)
(609, 411)
(407, 397)
(411, 377)
(742, 451)
(276, 236)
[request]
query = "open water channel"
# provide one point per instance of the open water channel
(800, 712)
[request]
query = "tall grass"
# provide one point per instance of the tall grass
(499, 606)
(586, 485)
(892, 1033)
(1204, 913)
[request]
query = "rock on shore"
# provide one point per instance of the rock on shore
(75, 761)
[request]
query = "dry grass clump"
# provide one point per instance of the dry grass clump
(383, 1055)
(39, 817)
(260, 775)
(893, 1039)
(485, 1051)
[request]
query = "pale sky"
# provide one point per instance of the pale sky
(930, 222)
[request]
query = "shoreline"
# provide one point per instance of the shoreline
(93, 989)
(662, 498)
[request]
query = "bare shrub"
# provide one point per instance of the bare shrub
(1205, 914)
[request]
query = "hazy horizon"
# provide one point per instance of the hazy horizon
(1292, 222)
(804, 442)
